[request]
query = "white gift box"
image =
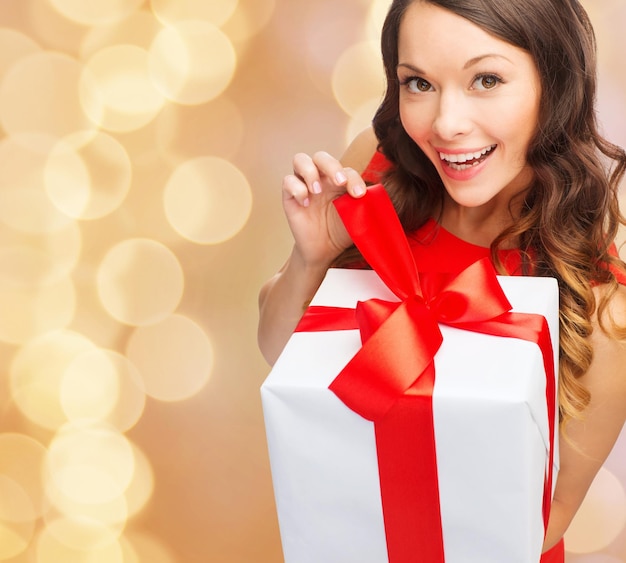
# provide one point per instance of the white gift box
(491, 434)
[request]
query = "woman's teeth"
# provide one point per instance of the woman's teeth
(466, 160)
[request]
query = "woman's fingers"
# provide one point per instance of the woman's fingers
(294, 187)
(338, 174)
(306, 170)
(330, 167)
(355, 185)
(311, 174)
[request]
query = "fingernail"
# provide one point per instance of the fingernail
(317, 189)
(306, 202)
(359, 190)
(341, 178)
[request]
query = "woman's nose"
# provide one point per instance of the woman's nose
(453, 116)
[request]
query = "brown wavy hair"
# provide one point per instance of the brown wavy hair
(570, 215)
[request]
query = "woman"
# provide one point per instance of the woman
(487, 137)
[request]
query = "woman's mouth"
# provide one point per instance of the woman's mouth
(466, 160)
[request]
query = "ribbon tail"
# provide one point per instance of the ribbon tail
(376, 230)
(533, 328)
(317, 319)
(405, 440)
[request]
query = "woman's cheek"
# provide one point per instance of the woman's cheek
(414, 122)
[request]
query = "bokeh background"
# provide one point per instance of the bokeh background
(142, 146)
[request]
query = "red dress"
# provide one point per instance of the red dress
(436, 249)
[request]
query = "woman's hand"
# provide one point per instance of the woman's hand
(308, 194)
(319, 236)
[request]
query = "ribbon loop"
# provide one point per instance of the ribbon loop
(473, 295)
(375, 379)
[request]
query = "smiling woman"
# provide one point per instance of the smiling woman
(488, 145)
(468, 93)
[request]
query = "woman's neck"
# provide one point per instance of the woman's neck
(479, 226)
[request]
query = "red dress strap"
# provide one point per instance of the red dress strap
(619, 273)
(376, 168)
(554, 555)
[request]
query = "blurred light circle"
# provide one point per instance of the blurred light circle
(24, 203)
(107, 518)
(141, 487)
(51, 550)
(88, 176)
(174, 357)
(207, 200)
(215, 128)
(150, 548)
(28, 311)
(116, 90)
(129, 555)
(16, 506)
(14, 45)
(83, 524)
(132, 396)
(601, 517)
(82, 533)
(362, 119)
(27, 260)
(39, 93)
(105, 385)
(18, 512)
(91, 319)
(96, 12)
(90, 463)
(90, 386)
(36, 373)
(13, 542)
(192, 62)
(173, 11)
(140, 282)
(325, 38)
(139, 29)
(376, 17)
(358, 76)
(250, 17)
(21, 462)
(67, 180)
(16, 530)
(52, 29)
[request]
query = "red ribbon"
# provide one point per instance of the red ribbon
(390, 380)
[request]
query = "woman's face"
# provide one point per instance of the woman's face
(470, 101)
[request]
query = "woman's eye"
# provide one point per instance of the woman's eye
(418, 85)
(486, 82)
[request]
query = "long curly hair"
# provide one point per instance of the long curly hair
(570, 215)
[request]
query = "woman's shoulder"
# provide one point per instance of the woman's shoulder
(361, 150)
(611, 301)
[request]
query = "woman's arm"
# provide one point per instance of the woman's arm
(319, 236)
(590, 440)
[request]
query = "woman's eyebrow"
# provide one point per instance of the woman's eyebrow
(470, 63)
(476, 60)
(411, 68)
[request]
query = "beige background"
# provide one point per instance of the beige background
(141, 153)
